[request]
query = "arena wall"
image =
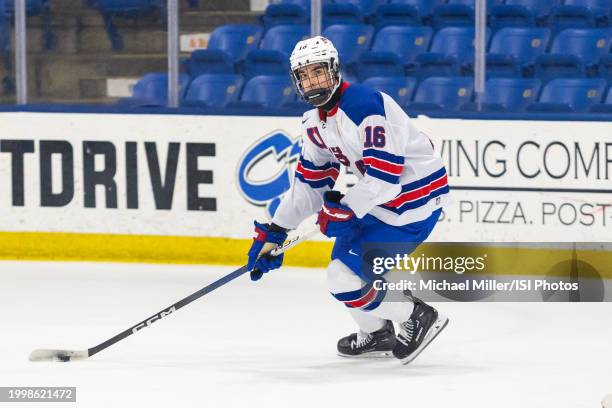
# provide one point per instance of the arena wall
(168, 188)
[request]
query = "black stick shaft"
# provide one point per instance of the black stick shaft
(194, 296)
(165, 312)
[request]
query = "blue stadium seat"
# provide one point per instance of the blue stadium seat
(378, 64)
(305, 4)
(524, 44)
(342, 13)
(349, 40)
(433, 64)
(265, 62)
(588, 44)
(208, 62)
(367, 7)
(284, 14)
(502, 65)
(283, 38)
(424, 7)
(521, 13)
(458, 12)
(605, 107)
(551, 66)
(452, 15)
(441, 93)
(407, 42)
(152, 90)
(578, 13)
(453, 45)
(539, 8)
(457, 41)
(602, 9)
(574, 53)
(507, 95)
(213, 90)
(273, 56)
(397, 15)
(569, 95)
(399, 88)
(266, 91)
(565, 16)
(235, 39)
(605, 68)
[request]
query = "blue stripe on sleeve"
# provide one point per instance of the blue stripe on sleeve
(311, 166)
(382, 175)
(326, 182)
(380, 154)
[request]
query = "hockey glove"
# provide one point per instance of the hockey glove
(335, 219)
(266, 233)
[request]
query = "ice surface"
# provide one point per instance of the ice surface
(272, 344)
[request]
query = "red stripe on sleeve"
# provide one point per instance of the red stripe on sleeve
(317, 174)
(387, 167)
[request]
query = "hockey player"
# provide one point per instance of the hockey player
(398, 198)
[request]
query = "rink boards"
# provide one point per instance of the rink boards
(185, 188)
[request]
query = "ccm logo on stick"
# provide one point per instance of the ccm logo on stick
(153, 319)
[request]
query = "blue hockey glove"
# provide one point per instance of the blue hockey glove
(266, 233)
(335, 219)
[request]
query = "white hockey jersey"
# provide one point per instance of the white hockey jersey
(401, 180)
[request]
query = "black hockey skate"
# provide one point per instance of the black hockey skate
(417, 332)
(377, 344)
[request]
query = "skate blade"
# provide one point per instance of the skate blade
(433, 332)
(371, 354)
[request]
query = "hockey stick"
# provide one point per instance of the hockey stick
(69, 355)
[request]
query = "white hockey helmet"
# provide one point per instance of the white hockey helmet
(316, 50)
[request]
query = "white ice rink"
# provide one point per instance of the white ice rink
(272, 344)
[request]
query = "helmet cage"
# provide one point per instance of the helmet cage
(317, 96)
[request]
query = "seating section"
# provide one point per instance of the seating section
(152, 89)
(522, 44)
(214, 90)
(272, 57)
(441, 93)
(400, 88)
(350, 40)
(236, 40)
(605, 107)
(569, 95)
(542, 55)
(267, 91)
(507, 95)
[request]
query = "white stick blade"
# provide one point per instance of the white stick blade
(57, 355)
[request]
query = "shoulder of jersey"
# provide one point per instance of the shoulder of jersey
(310, 118)
(358, 102)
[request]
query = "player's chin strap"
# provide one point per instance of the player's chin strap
(333, 100)
(69, 355)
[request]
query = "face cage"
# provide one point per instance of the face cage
(331, 72)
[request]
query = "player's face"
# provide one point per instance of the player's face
(315, 76)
